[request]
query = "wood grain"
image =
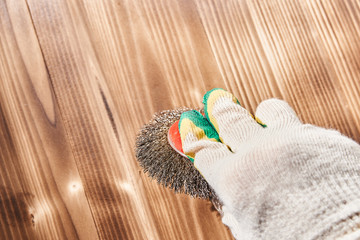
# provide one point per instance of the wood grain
(79, 78)
(41, 194)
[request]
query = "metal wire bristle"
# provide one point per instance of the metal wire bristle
(164, 164)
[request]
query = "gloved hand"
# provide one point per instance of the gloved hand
(285, 180)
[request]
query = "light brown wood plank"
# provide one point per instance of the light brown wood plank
(41, 194)
(79, 78)
(149, 69)
(304, 52)
(124, 203)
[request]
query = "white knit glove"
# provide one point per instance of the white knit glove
(287, 180)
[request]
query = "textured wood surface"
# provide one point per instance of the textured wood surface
(79, 78)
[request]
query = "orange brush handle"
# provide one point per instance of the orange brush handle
(174, 138)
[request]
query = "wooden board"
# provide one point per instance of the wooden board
(79, 78)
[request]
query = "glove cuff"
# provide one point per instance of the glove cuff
(327, 210)
(343, 223)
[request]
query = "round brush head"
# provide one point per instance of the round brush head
(162, 162)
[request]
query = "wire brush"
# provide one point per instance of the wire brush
(162, 162)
